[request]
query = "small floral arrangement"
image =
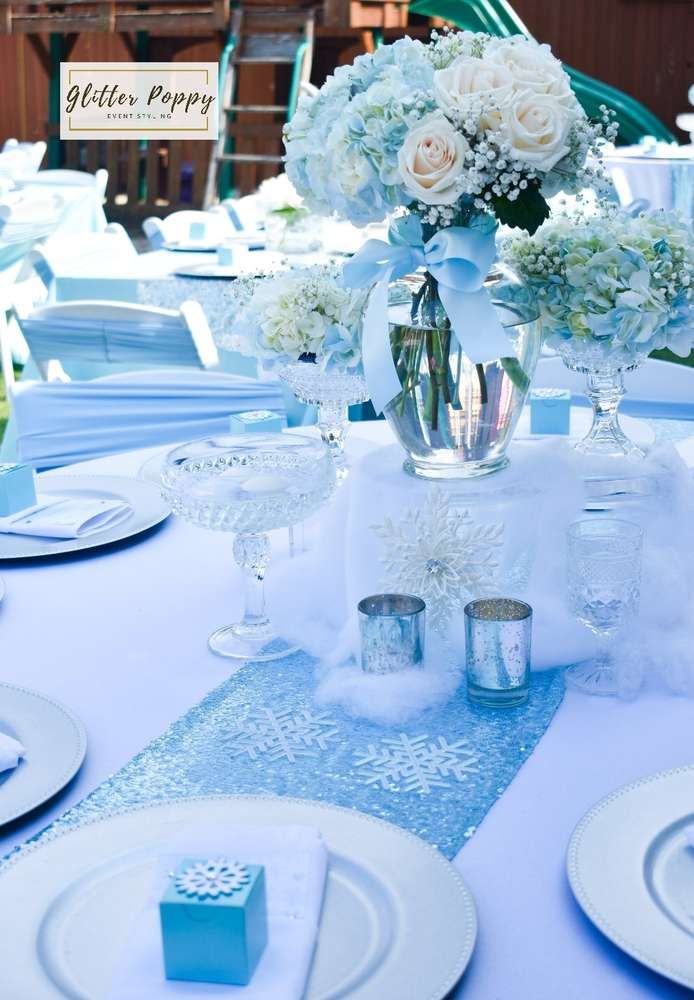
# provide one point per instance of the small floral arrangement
(301, 315)
(467, 122)
(612, 280)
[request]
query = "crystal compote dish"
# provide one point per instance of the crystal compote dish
(249, 485)
(332, 392)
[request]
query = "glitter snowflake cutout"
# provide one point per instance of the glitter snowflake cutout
(212, 879)
(283, 734)
(416, 764)
(440, 554)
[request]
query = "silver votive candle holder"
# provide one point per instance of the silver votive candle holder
(497, 651)
(392, 630)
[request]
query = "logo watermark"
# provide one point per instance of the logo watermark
(132, 100)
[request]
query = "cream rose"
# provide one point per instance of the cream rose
(536, 126)
(432, 159)
(470, 84)
(532, 67)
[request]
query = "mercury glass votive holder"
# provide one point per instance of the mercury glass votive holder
(392, 630)
(497, 644)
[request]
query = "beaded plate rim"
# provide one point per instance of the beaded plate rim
(582, 894)
(71, 769)
(469, 910)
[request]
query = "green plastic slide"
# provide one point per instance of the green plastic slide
(497, 17)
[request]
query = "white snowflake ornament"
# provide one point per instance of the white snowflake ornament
(416, 763)
(212, 879)
(282, 734)
(440, 554)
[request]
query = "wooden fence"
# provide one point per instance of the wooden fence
(641, 46)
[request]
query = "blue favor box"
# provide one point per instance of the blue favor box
(197, 231)
(254, 422)
(550, 411)
(214, 921)
(225, 255)
(16, 488)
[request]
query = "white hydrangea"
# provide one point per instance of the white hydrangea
(301, 313)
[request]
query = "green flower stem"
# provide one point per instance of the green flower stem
(484, 395)
(513, 369)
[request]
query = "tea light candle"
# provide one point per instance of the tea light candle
(392, 630)
(264, 482)
(497, 651)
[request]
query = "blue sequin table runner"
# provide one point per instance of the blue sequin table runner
(261, 732)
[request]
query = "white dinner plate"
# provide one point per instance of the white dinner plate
(192, 246)
(211, 270)
(632, 871)
(148, 509)
(398, 922)
(637, 430)
(55, 744)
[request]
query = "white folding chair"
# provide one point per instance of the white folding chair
(57, 422)
(70, 178)
(176, 226)
(111, 245)
(18, 159)
(657, 388)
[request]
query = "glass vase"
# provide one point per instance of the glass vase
(332, 392)
(604, 367)
(455, 419)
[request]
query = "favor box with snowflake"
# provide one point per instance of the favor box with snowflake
(550, 411)
(214, 921)
(254, 422)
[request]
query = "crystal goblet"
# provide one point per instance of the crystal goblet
(604, 573)
(249, 485)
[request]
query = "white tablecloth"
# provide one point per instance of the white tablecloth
(121, 638)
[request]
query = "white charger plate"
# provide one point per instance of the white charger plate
(55, 744)
(398, 921)
(148, 509)
(632, 871)
(192, 246)
(211, 270)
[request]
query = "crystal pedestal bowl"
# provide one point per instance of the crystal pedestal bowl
(249, 485)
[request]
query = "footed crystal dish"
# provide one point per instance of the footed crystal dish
(249, 485)
(333, 392)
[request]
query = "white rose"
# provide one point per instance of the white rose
(471, 85)
(536, 126)
(432, 159)
(532, 67)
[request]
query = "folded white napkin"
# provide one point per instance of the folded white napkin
(66, 517)
(11, 752)
(295, 860)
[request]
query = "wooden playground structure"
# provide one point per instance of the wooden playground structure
(266, 51)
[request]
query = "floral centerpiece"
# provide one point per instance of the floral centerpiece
(611, 289)
(452, 136)
(285, 216)
(308, 325)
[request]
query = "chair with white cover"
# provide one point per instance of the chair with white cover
(18, 159)
(71, 178)
(113, 245)
(162, 389)
(656, 389)
(83, 193)
(176, 227)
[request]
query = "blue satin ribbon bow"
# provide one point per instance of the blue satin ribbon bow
(460, 259)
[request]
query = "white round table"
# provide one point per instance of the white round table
(119, 636)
